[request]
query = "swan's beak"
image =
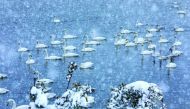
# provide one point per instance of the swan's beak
(7, 103)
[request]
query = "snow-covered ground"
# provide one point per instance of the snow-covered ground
(28, 21)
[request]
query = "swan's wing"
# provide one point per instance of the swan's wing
(23, 107)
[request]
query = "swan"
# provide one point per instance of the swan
(3, 91)
(151, 46)
(130, 44)
(181, 12)
(98, 38)
(162, 39)
(177, 43)
(153, 30)
(12, 103)
(86, 65)
(87, 49)
(56, 20)
(70, 54)
(40, 45)
(146, 52)
(170, 64)
(176, 52)
(125, 31)
(92, 42)
(52, 57)
(139, 40)
(30, 60)
(179, 29)
(68, 36)
(149, 35)
(55, 42)
(138, 24)
(2, 76)
(22, 49)
(120, 42)
(45, 81)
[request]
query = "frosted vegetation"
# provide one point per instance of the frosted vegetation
(115, 54)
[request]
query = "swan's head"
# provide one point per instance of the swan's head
(10, 102)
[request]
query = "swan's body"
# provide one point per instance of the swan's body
(139, 40)
(70, 54)
(146, 52)
(177, 43)
(151, 46)
(149, 35)
(3, 91)
(130, 44)
(171, 65)
(181, 12)
(176, 53)
(56, 42)
(56, 20)
(68, 36)
(86, 65)
(40, 45)
(93, 42)
(69, 47)
(120, 42)
(163, 40)
(13, 104)
(52, 57)
(45, 81)
(152, 30)
(125, 31)
(138, 24)
(179, 29)
(22, 49)
(2, 76)
(30, 60)
(88, 49)
(98, 38)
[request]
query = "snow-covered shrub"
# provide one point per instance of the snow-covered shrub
(136, 95)
(77, 97)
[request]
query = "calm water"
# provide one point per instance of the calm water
(28, 21)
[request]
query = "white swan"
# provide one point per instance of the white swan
(146, 52)
(139, 40)
(98, 38)
(87, 49)
(179, 29)
(138, 24)
(55, 42)
(92, 42)
(151, 46)
(69, 36)
(177, 43)
(170, 64)
(125, 31)
(22, 49)
(56, 20)
(3, 91)
(2, 76)
(70, 54)
(12, 103)
(130, 44)
(86, 65)
(69, 47)
(30, 60)
(152, 30)
(176, 52)
(52, 57)
(182, 13)
(40, 45)
(163, 40)
(149, 35)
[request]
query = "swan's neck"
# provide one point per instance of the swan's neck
(14, 104)
(46, 52)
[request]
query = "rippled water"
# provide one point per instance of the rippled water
(28, 21)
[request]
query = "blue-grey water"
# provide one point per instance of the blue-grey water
(26, 21)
